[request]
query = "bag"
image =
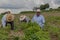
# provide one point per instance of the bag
(9, 17)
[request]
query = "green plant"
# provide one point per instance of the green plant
(16, 38)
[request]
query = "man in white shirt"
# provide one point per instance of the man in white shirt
(4, 21)
(24, 18)
(8, 18)
(38, 18)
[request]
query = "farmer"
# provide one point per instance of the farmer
(39, 19)
(8, 18)
(24, 18)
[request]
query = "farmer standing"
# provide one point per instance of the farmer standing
(39, 19)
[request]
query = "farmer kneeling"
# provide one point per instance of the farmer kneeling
(8, 18)
(38, 18)
(24, 18)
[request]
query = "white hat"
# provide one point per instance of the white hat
(22, 17)
(38, 10)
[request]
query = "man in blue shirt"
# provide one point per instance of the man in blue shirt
(38, 18)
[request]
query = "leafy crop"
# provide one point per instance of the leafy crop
(32, 31)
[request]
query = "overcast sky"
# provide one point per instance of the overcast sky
(27, 3)
(17, 6)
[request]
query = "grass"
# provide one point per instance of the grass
(32, 31)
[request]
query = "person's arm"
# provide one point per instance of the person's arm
(32, 19)
(3, 20)
(43, 19)
(28, 19)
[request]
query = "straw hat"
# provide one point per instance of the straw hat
(22, 17)
(38, 10)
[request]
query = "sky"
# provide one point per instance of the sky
(27, 4)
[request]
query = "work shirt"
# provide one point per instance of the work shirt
(27, 19)
(4, 20)
(39, 20)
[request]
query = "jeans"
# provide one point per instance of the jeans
(11, 24)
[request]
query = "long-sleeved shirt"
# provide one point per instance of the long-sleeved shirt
(27, 19)
(4, 20)
(39, 20)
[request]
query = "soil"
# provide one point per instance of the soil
(53, 36)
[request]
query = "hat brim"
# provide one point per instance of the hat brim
(23, 17)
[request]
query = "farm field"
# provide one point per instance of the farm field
(32, 31)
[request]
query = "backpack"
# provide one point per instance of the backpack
(10, 17)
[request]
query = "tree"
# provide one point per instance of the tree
(58, 7)
(43, 7)
(46, 5)
(51, 9)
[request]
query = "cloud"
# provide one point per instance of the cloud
(16, 4)
(57, 2)
(27, 3)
